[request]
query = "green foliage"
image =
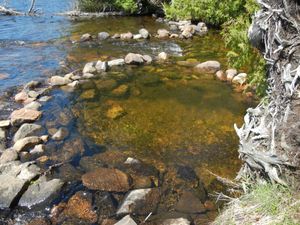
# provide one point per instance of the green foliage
(108, 5)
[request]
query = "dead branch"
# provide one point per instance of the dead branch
(10, 12)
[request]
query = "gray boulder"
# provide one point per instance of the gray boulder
(126, 36)
(134, 59)
(26, 130)
(33, 105)
(101, 66)
(145, 33)
(163, 33)
(230, 74)
(103, 36)
(23, 115)
(86, 37)
(116, 62)
(59, 81)
(208, 67)
(240, 79)
(8, 155)
(89, 68)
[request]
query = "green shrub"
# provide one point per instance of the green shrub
(107, 5)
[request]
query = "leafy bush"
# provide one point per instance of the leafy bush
(108, 5)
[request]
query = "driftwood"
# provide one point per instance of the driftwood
(10, 12)
(266, 146)
(80, 14)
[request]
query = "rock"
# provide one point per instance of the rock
(208, 67)
(116, 62)
(21, 97)
(8, 155)
(105, 179)
(26, 130)
(103, 36)
(61, 134)
(38, 149)
(173, 27)
(59, 81)
(140, 202)
(26, 143)
(188, 31)
(116, 36)
(230, 74)
(101, 66)
(106, 85)
(127, 220)
(86, 37)
(88, 75)
(174, 36)
(31, 85)
(13, 177)
(4, 123)
(88, 94)
(178, 221)
(108, 222)
(127, 35)
(221, 75)
(74, 84)
(33, 105)
(120, 91)
(189, 203)
(2, 139)
(130, 160)
(162, 56)
(115, 112)
(24, 115)
(39, 221)
(144, 33)
(80, 206)
(147, 59)
(201, 28)
(45, 138)
(33, 94)
(137, 36)
(45, 98)
(134, 59)
(163, 33)
(240, 79)
(40, 191)
(89, 68)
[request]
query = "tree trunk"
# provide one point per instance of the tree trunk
(270, 136)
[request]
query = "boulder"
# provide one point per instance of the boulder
(137, 36)
(140, 202)
(134, 59)
(163, 33)
(148, 59)
(240, 79)
(101, 66)
(127, 220)
(188, 31)
(208, 67)
(115, 112)
(116, 62)
(221, 75)
(33, 105)
(86, 37)
(8, 155)
(88, 75)
(40, 191)
(145, 33)
(162, 56)
(126, 36)
(201, 28)
(178, 221)
(24, 115)
(26, 130)
(21, 97)
(61, 134)
(103, 36)
(4, 123)
(230, 74)
(89, 68)
(189, 203)
(26, 143)
(59, 81)
(33, 94)
(13, 177)
(105, 179)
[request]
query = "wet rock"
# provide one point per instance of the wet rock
(26, 143)
(86, 37)
(88, 75)
(127, 220)
(26, 130)
(33, 94)
(189, 203)
(88, 94)
(120, 91)
(8, 155)
(126, 36)
(40, 191)
(115, 112)
(105, 204)
(4, 123)
(31, 85)
(103, 36)
(162, 56)
(13, 177)
(33, 105)
(21, 97)
(105, 179)
(208, 67)
(80, 206)
(106, 85)
(101, 66)
(61, 134)
(45, 98)
(140, 202)
(89, 68)
(71, 148)
(68, 172)
(178, 221)
(38, 149)
(163, 33)
(221, 75)
(134, 59)
(145, 33)
(24, 115)
(230, 74)
(116, 62)
(240, 79)
(59, 81)
(147, 59)
(137, 36)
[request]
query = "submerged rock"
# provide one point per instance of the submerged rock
(120, 91)
(24, 115)
(127, 220)
(106, 85)
(208, 67)
(189, 203)
(26, 130)
(40, 191)
(105, 179)
(61, 134)
(115, 112)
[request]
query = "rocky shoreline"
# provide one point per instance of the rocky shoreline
(127, 186)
